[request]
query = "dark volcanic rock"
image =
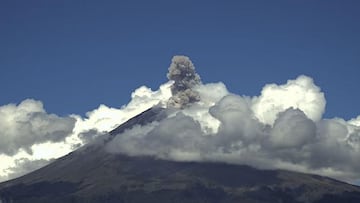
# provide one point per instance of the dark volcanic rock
(92, 175)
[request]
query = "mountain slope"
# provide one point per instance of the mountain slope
(91, 174)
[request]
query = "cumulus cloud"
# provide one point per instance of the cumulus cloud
(292, 129)
(282, 128)
(300, 93)
(27, 124)
(161, 140)
(29, 134)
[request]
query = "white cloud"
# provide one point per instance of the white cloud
(280, 129)
(27, 124)
(300, 93)
(292, 129)
(29, 134)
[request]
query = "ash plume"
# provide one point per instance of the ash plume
(182, 72)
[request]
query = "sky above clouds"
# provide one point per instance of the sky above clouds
(69, 69)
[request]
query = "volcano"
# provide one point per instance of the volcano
(199, 143)
(91, 174)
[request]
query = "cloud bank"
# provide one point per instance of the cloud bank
(27, 124)
(31, 138)
(282, 128)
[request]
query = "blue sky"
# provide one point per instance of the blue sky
(75, 55)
